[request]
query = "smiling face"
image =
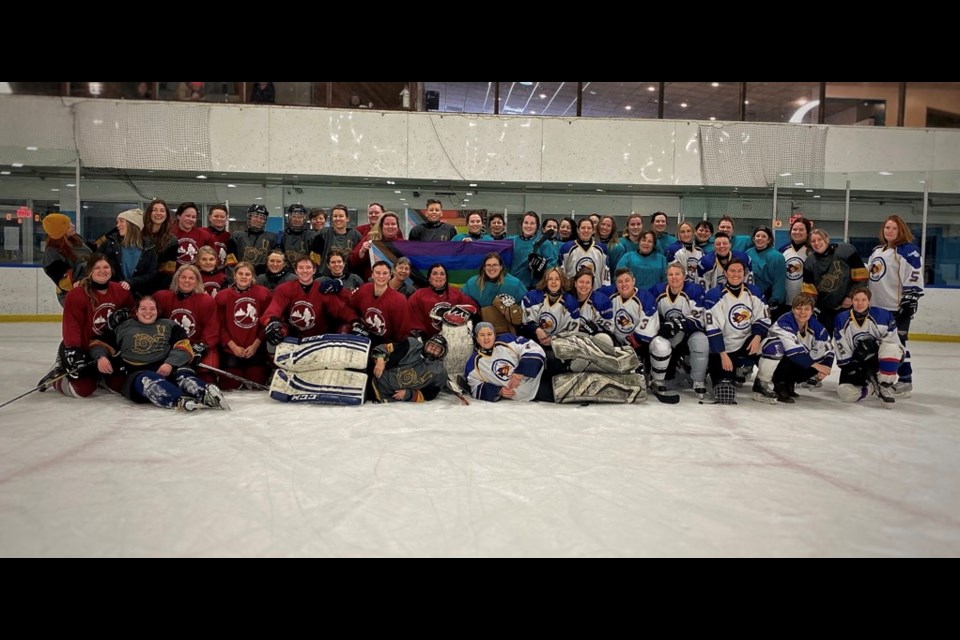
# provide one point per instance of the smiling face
(158, 214)
(243, 277)
(102, 272)
(584, 287)
(374, 212)
(475, 223)
(207, 262)
(187, 219)
(647, 243)
(553, 281)
(305, 271)
(585, 230)
(274, 263)
(492, 268)
(390, 228)
(565, 230)
(890, 231)
(121, 227)
(335, 264)
(402, 270)
(659, 223)
(528, 226)
(626, 285)
(497, 226)
(438, 277)
(735, 274)
(722, 246)
(798, 233)
(803, 314)
(550, 224)
(703, 233)
(218, 219)
(726, 226)
(147, 311)
(338, 220)
(606, 226)
(685, 233)
(187, 281)
(675, 278)
(761, 240)
(434, 212)
(818, 243)
(634, 227)
(381, 275)
(318, 221)
(486, 338)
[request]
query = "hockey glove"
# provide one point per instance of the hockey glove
(671, 327)
(118, 317)
(589, 326)
(199, 348)
(274, 332)
(866, 350)
(334, 285)
(75, 360)
(908, 306)
(359, 329)
(537, 264)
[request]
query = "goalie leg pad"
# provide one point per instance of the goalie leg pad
(600, 354)
(459, 347)
(326, 351)
(324, 386)
(607, 388)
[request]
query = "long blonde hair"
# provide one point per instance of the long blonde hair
(175, 285)
(376, 233)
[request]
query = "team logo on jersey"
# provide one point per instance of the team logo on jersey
(794, 268)
(144, 343)
(101, 315)
(184, 318)
(878, 267)
(585, 263)
(548, 322)
(623, 321)
(221, 254)
(187, 251)
(373, 318)
(692, 264)
(302, 315)
(245, 313)
(673, 313)
(740, 316)
(503, 369)
(211, 287)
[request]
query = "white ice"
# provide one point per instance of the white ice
(104, 477)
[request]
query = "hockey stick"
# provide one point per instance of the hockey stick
(47, 384)
(249, 383)
(452, 388)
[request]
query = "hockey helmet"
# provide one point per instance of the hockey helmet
(438, 351)
(297, 210)
(257, 210)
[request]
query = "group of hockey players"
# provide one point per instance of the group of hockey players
(164, 311)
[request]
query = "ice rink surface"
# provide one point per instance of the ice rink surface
(103, 477)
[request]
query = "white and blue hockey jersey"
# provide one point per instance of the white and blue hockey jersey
(731, 319)
(804, 348)
(710, 271)
(487, 373)
(894, 272)
(574, 257)
(847, 332)
(687, 305)
(553, 314)
(635, 316)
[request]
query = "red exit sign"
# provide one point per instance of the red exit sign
(23, 212)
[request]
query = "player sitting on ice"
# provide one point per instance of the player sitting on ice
(409, 370)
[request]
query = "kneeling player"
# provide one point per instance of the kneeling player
(868, 351)
(796, 349)
(409, 370)
(736, 322)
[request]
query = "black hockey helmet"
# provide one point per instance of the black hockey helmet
(441, 343)
(257, 210)
(297, 209)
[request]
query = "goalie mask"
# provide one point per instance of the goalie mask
(257, 216)
(435, 348)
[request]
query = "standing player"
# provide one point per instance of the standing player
(189, 236)
(795, 255)
(217, 218)
(242, 347)
(253, 244)
(434, 229)
(382, 310)
(297, 238)
(896, 281)
(585, 252)
(680, 309)
(712, 269)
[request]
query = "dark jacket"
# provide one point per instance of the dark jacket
(144, 275)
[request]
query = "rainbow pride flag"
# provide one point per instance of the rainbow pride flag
(462, 259)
